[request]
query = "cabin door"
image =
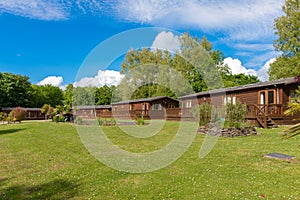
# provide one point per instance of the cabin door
(266, 98)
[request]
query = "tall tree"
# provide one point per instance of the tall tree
(15, 90)
(103, 95)
(196, 61)
(68, 95)
(46, 94)
(288, 43)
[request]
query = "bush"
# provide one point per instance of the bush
(79, 120)
(17, 114)
(206, 113)
(2, 117)
(100, 121)
(235, 114)
(55, 119)
(140, 120)
(113, 122)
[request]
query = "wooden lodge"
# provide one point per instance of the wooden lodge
(31, 113)
(266, 101)
(90, 112)
(161, 107)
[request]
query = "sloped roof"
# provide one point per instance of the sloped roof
(93, 107)
(143, 100)
(27, 109)
(284, 81)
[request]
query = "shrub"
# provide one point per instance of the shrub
(9, 118)
(2, 117)
(140, 120)
(235, 114)
(79, 120)
(17, 114)
(55, 118)
(113, 122)
(100, 121)
(206, 113)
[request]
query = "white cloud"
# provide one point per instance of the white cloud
(107, 77)
(37, 9)
(262, 73)
(54, 9)
(166, 40)
(240, 20)
(52, 80)
(236, 67)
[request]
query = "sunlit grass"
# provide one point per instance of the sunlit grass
(48, 161)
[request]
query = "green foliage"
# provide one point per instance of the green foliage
(84, 96)
(79, 120)
(18, 114)
(284, 67)
(46, 94)
(58, 118)
(100, 121)
(46, 109)
(103, 95)
(293, 108)
(68, 95)
(231, 80)
(10, 117)
(235, 114)
(140, 120)
(2, 116)
(288, 30)
(205, 113)
(113, 122)
(106, 122)
(15, 90)
(196, 61)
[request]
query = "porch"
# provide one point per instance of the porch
(265, 114)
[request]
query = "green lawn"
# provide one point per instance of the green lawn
(44, 160)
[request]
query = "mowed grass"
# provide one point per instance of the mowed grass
(44, 160)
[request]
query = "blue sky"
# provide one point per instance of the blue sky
(52, 38)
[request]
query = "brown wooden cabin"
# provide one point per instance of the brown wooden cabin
(91, 112)
(161, 107)
(266, 101)
(31, 113)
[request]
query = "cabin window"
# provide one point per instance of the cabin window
(131, 107)
(157, 107)
(267, 97)
(188, 104)
(294, 96)
(271, 97)
(229, 99)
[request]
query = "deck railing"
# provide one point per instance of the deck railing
(264, 113)
(271, 110)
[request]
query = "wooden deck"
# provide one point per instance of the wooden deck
(265, 114)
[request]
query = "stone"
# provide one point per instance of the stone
(280, 156)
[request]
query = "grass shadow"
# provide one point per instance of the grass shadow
(8, 131)
(57, 189)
